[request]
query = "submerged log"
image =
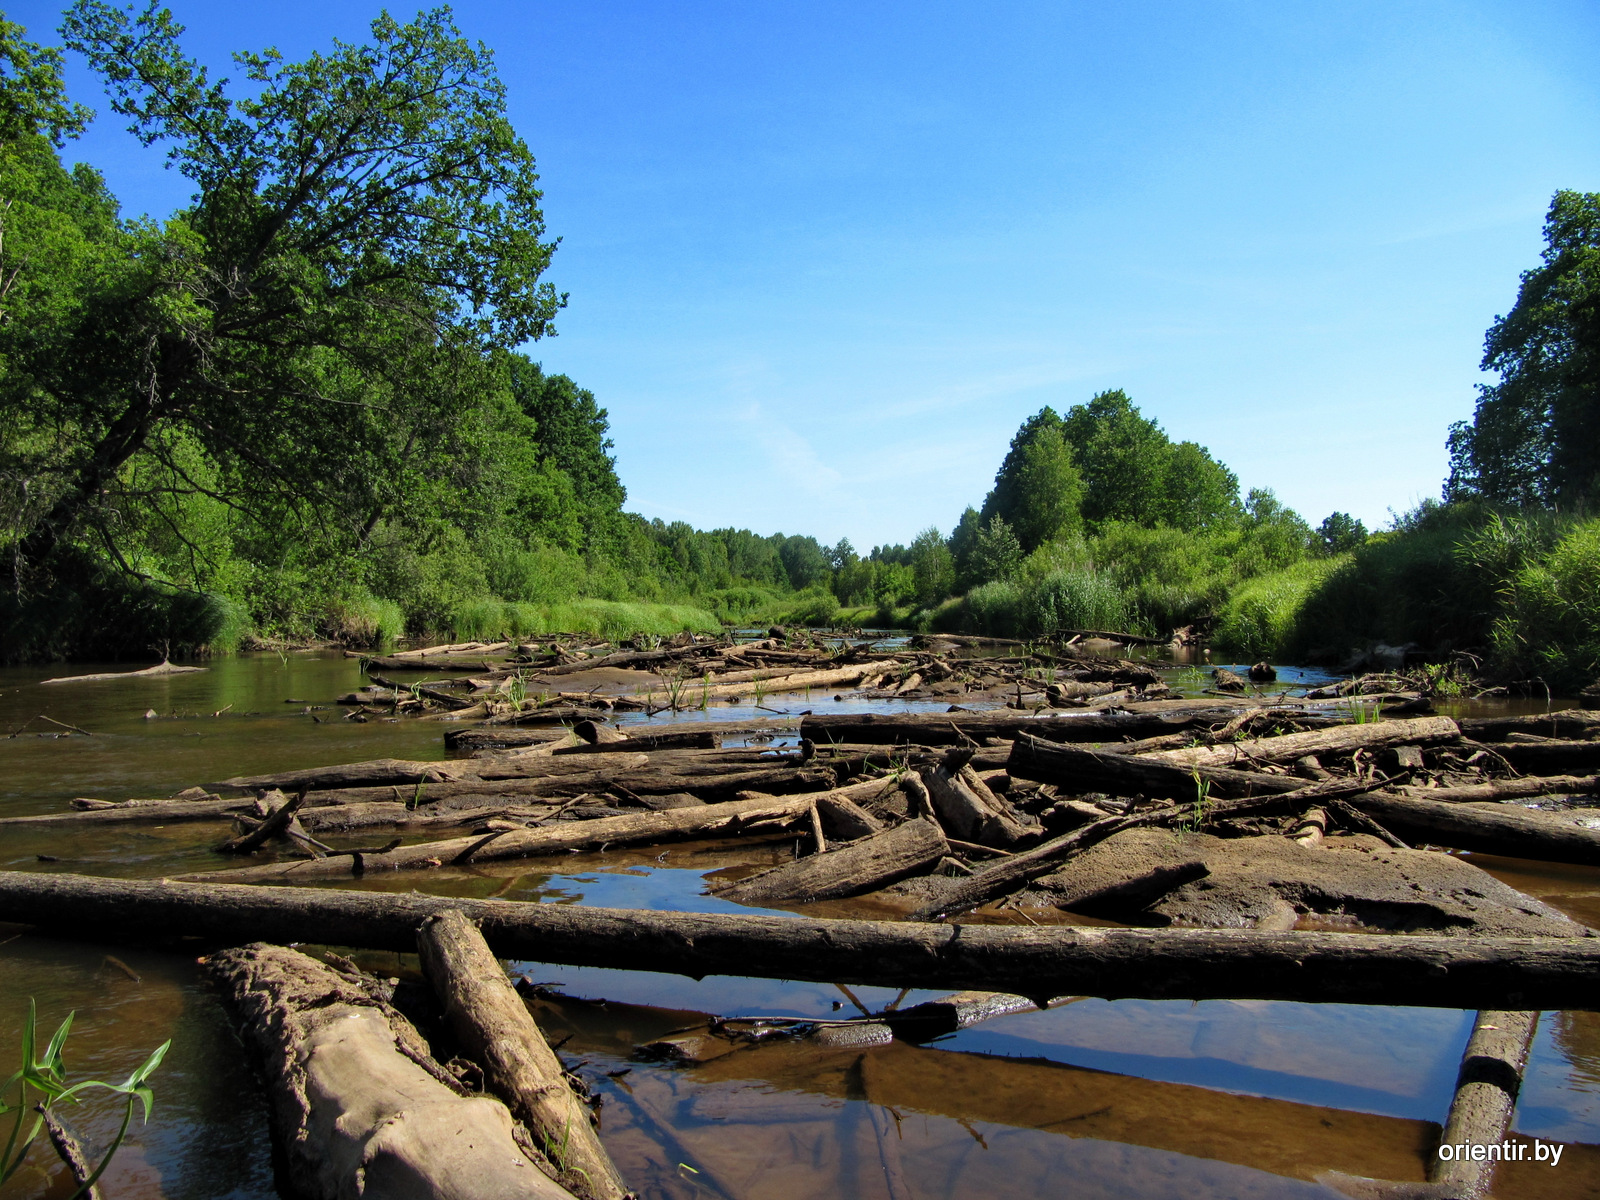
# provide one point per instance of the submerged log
(1042, 962)
(493, 1025)
(707, 820)
(161, 668)
(862, 866)
(1341, 739)
(357, 1104)
(1506, 829)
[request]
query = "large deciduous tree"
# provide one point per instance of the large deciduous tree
(364, 233)
(1535, 437)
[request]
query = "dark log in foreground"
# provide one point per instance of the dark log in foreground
(1042, 962)
(493, 1025)
(1550, 758)
(1077, 769)
(1503, 829)
(957, 728)
(862, 866)
(1486, 1096)
(561, 836)
(357, 1104)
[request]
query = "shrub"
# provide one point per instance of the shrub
(1074, 599)
(1263, 615)
(995, 609)
(1549, 625)
(815, 607)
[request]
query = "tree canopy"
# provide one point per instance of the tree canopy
(1535, 436)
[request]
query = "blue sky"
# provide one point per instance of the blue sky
(823, 259)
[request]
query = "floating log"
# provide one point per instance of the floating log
(357, 1104)
(493, 1025)
(1341, 739)
(1506, 829)
(160, 669)
(158, 812)
(957, 728)
(1079, 769)
(862, 866)
(734, 817)
(1043, 962)
(1484, 1101)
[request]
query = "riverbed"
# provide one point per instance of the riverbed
(1125, 1099)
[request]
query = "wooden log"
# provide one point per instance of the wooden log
(475, 663)
(1551, 758)
(160, 669)
(707, 820)
(275, 823)
(1341, 739)
(376, 773)
(972, 813)
(1489, 829)
(1566, 723)
(844, 820)
(694, 691)
(861, 866)
(1042, 962)
(555, 714)
(480, 737)
(152, 812)
(1485, 1099)
(493, 1025)
(1509, 789)
(1079, 769)
(477, 648)
(357, 1104)
(956, 728)
(636, 658)
(634, 742)
(70, 1151)
(1130, 891)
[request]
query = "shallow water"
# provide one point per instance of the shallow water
(1117, 1099)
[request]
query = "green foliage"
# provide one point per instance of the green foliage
(41, 1084)
(1340, 533)
(494, 619)
(1548, 624)
(1074, 599)
(996, 609)
(933, 569)
(816, 607)
(1262, 616)
(1533, 438)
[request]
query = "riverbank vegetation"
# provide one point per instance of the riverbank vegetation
(302, 408)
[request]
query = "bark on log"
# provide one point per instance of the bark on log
(861, 866)
(707, 820)
(275, 823)
(1486, 1097)
(556, 714)
(973, 814)
(694, 691)
(956, 728)
(481, 738)
(377, 773)
(357, 1105)
(159, 812)
(493, 1025)
(1042, 962)
(844, 820)
(1341, 739)
(1509, 789)
(1550, 758)
(1567, 723)
(476, 663)
(1506, 829)
(1078, 769)
(70, 1151)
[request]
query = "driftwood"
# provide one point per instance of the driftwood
(555, 714)
(1509, 789)
(706, 820)
(71, 1153)
(1043, 962)
(1567, 723)
(1552, 757)
(159, 812)
(1078, 769)
(1484, 1101)
(378, 772)
(500, 737)
(967, 809)
(274, 824)
(492, 1024)
(358, 1106)
(861, 866)
(1490, 829)
(1341, 739)
(958, 728)
(160, 669)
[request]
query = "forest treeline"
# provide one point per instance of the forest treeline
(302, 407)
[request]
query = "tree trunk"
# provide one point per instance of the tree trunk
(1567, 723)
(1485, 1099)
(1075, 769)
(493, 1025)
(861, 866)
(1341, 739)
(957, 728)
(358, 1106)
(1043, 962)
(1509, 789)
(1490, 829)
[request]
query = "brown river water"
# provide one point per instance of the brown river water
(1133, 1100)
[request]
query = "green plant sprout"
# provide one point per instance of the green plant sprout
(46, 1077)
(1197, 815)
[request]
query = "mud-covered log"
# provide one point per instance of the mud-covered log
(1485, 1099)
(1079, 769)
(958, 728)
(1506, 829)
(357, 1104)
(493, 1025)
(707, 820)
(1340, 739)
(968, 810)
(1042, 962)
(862, 866)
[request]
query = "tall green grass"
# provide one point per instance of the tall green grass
(1261, 616)
(493, 619)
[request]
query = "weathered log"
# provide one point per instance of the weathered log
(967, 809)
(1485, 1099)
(1551, 758)
(635, 658)
(477, 648)
(376, 773)
(157, 812)
(956, 728)
(493, 1025)
(695, 691)
(1490, 829)
(70, 1151)
(161, 668)
(1341, 739)
(844, 820)
(736, 816)
(1566, 723)
(555, 714)
(1509, 789)
(357, 1104)
(500, 737)
(1190, 964)
(633, 742)
(274, 824)
(862, 866)
(1079, 769)
(1132, 890)
(476, 663)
